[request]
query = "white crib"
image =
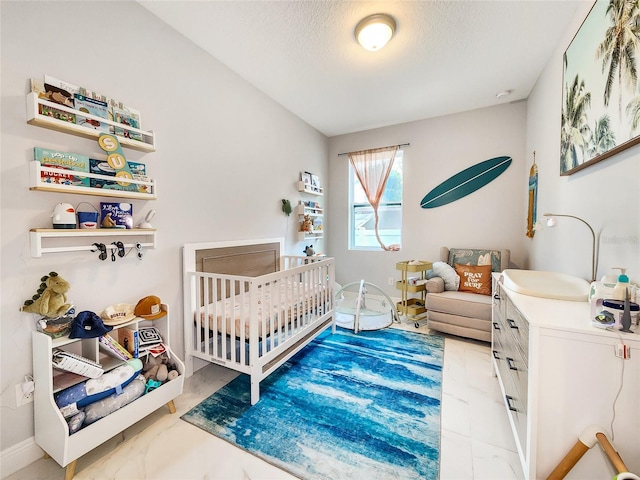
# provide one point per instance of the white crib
(249, 308)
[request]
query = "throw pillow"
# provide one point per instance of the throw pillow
(447, 273)
(468, 256)
(475, 279)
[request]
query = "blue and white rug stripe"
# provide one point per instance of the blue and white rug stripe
(363, 406)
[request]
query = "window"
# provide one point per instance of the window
(362, 234)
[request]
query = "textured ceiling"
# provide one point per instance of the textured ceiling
(446, 56)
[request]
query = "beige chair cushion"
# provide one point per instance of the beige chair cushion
(463, 304)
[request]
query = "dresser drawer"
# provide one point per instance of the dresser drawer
(518, 328)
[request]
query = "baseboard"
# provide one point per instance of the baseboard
(19, 456)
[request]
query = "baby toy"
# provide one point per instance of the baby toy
(309, 251)
(307, 224)
(51, 299)
(159, 369)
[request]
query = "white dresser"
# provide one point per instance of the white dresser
(559, 375)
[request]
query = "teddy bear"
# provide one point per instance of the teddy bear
(307, 224)
(160, 369)
(51, 299)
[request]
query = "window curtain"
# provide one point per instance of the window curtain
(372, 168)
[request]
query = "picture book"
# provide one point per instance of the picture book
(127, 117)
(116, 215)
(128, 338)
(110, 345)
(102, 167)
(63, 85)
(38, 87)
(94, 107)
(64, 161)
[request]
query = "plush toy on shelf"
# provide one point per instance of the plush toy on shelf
(51, 300)
(307, 224)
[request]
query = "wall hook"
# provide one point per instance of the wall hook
(120, 247)
(103, 250)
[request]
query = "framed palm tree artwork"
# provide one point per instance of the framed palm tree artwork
(601, 89)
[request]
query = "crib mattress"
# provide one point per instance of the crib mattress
(281, 305)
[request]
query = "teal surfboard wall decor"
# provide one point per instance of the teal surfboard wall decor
(467, 181)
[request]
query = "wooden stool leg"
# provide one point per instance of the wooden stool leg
(569, 461)
(172, 407)
(611, 453)
(70, 471)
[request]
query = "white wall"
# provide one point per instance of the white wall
(492, 217)
(226, 156)
(606, 195)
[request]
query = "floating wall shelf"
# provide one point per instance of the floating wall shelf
(306, 188)
(36, 183)
(34, 117)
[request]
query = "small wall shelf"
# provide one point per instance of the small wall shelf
(34, 117)
(306, 188)
(302, 236)
(302, 209)
(81, 240)
(36, 183)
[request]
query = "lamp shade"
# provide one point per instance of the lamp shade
(373, 32)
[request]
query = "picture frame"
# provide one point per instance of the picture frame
(305, 177)
(600, 100)
(315, 183)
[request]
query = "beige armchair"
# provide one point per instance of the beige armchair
(462, 313)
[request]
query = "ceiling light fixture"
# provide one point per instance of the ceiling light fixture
(503, 93)
(373, 32)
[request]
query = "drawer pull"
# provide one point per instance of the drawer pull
(509, 406)
(496, 326)
(496, 355)
(512, 323)
(510, 364)
(496, 296)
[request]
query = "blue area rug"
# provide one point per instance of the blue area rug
(363, 406)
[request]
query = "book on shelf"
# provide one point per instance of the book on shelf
(95, 107)
(56, 95)
(111, 346)
(126, 116)
(128, 338)
(116, 215)
(102, 167)
(66, 162)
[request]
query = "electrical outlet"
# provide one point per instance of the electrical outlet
(24, 393)
(390, 281)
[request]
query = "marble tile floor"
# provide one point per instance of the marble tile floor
(476, 437)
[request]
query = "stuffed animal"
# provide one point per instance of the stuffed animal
(160, 369)
(307, 224)
(51, 299)
(286, 206)
(309, 251)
